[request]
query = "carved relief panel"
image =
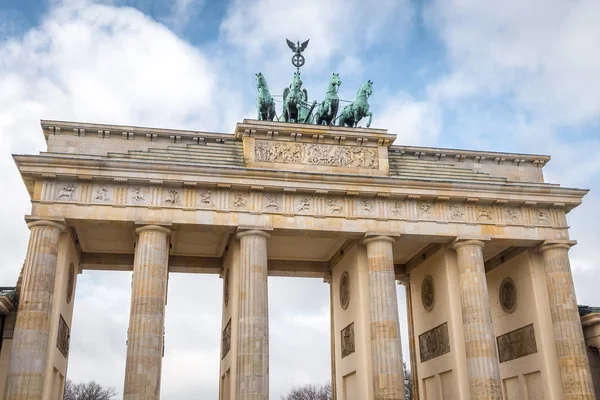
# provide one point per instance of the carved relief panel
(516, 344)
(434, 342)
(226, 340)
(66, 192)
(271, 202)
(138, 195)
(316, 154)
(172, 197)
(102, 193)
(204, 198)
(348, 340)
(63, 337)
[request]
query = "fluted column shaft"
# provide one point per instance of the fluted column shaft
(570, 344)
(252, 381)
(386, 350)
(147, 314)
(480, 345)
(27, 366)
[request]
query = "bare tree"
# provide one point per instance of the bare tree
(88, 391)
(408, 382)
(310, 392)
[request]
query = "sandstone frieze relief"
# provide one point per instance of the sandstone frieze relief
(102, 195)
(205, 198)
(484, 214)
(172, 198)
(457, 212)
(271, 202)
(316, 154)
(334, 207)
(121, 194)
(67, 192)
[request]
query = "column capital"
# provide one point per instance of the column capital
(37, 221)
(374, 237)
(469, 241)
(252, 232)
(328, 278)
(152, 227)
(556, 244)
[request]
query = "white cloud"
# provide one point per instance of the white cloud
(415, 122)
(542, 52)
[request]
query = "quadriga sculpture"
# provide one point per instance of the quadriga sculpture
(328, 109)
(357, 110)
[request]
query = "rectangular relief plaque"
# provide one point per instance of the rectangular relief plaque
(434, 342)
(328, 155)
(516, 344)
(348, 340)
(63, 337)
(226, 339)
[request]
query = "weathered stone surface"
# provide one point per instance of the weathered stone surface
(570, 344)
(147, 317)
(253, 325)
(32, 331)
(482, 361)
(386, 350)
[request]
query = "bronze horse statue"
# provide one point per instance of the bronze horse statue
(265, 105)
(359, 108)
(328, 109)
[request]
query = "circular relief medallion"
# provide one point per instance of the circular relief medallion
(428, 293)
(508, 295)
(70, 283)
(226, 289)
(345, 290)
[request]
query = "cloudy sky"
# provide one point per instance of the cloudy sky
(516, 75)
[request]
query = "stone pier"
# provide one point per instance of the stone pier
(480, 344)
(147, 316)
(31, 338)
(253, 329)
(570, 345)
(386, 350)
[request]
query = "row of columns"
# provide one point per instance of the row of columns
(147, 314)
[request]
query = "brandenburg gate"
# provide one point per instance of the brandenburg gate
(478, 239)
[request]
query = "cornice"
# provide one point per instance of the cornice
(474, 155)
(50, 127)
(102, 169)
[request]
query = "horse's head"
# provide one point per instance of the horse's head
(297, 81)
(261, 82)
(335, 80)
(366, 89)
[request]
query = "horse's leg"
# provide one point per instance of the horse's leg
(356, 117)
(370, 114)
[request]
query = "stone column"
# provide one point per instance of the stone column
(480, 343)
(570, 345)
(252, 381)
(147, 314)
(411, 339)
(25, 379)
(386, 350)
(329, 280)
